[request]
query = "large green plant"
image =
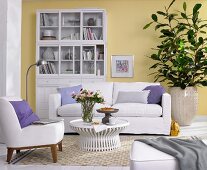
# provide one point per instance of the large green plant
(181, 55)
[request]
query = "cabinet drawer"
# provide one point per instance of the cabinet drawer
(56, 82)
(47, 81)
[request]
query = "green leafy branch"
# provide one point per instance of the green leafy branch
(180, 57)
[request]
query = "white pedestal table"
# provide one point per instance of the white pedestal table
(106, 140)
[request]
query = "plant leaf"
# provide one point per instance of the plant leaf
(155, 57)
(184, 6)
(184, 15)
(204, 25)
(200, 39)
(154, 17)
(161, 13)
(203, 32)
(204, 83)
(170, 4)
(146, 26)
(196, 8)
(160, 25)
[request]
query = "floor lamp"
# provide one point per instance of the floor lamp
(37, 64)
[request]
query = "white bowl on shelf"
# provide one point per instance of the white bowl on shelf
(48, 33)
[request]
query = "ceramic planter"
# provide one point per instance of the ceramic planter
(184, 104)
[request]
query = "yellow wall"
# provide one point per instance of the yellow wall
(126, 19)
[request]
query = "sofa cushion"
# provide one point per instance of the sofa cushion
(24, 113)
(133, 96)
(131, 86)
(66, 94)
(138, 110)
(155, 95)
(70, 110)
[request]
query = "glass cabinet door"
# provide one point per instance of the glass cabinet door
(100, 60)
(88, 58)
(67, 60)
(70, 26)
(51, 55)
(92, 26)
(77, 60)
(49, 29)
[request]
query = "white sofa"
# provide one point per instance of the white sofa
(143, 118)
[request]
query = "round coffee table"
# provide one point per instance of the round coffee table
(106, 140)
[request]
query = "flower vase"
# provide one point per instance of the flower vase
(87, 111)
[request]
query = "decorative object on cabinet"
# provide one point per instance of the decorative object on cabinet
(48, 54)
(38, 63)
(48, 35)
(91, 22)
(122, 65)
(99, 22)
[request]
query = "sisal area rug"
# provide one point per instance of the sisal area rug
(73, 156)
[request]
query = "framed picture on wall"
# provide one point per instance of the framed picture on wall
(122, 66)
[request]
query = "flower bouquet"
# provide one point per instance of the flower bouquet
(88, 99)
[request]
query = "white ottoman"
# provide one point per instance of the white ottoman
(145, 157)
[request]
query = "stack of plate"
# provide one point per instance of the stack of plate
(48, 35)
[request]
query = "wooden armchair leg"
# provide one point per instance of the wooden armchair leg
(54, 153)
(60, 146)
(9, 154)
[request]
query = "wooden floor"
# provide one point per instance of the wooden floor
(199, 127)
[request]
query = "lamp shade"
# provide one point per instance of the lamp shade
(41, 62)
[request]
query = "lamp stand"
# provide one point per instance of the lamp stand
(27, 80)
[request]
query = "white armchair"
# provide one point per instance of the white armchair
(33, 136)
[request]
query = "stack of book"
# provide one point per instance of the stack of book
(88, 34)
(48, 68)
(44, 19)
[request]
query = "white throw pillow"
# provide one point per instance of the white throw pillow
(133, 96)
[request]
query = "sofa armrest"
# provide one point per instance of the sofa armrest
(166, 108)
(54, 103)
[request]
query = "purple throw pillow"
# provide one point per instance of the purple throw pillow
(24, 113)
(155, 94)
(66, 94)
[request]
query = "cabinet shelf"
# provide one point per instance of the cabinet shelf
(88, 60)
(52, 60)
(67, 60)
(93, 26)
(49, 26)
(65, 26)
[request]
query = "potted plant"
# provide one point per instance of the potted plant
(180, 57)
(88, 99)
